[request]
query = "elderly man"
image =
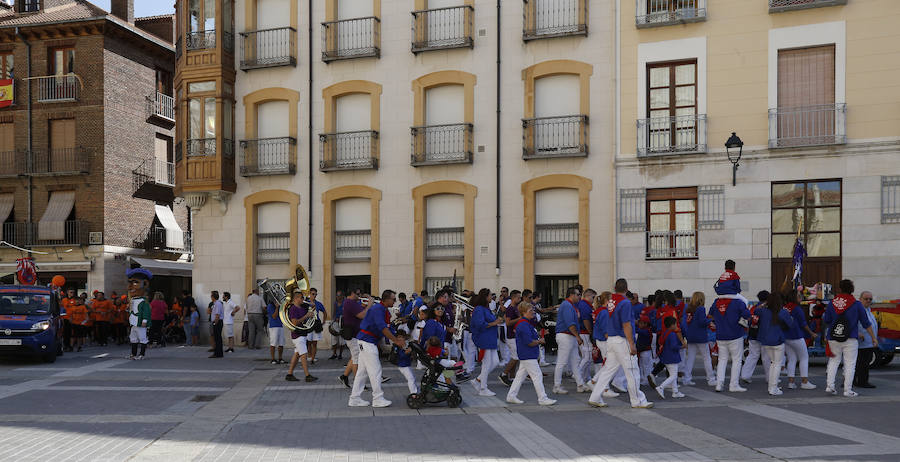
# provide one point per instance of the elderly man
(867, 347)
(256, 315)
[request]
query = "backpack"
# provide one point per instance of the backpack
(840, 331)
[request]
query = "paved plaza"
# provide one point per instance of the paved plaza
(178, 405)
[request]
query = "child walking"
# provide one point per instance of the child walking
(195, 326)
(670, 355)
(527, 343)
(404, 362)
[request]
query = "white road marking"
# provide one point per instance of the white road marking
(532, 441)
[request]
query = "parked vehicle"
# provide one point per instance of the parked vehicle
(29, 322)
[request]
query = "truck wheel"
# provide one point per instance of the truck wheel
(875, 362)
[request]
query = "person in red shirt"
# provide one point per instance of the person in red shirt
(158, 308)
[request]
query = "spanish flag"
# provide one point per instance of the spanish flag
(7, 94)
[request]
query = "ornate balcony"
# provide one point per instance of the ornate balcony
(269, 156)
(442, 28)
(203, 40)
(555, 18)
(661, 136)
(778, 6)
(558, 240)
(354, 245)
(269, 48)
(548, 137)
(808, 126)
(349, 150)
(656, 13)
(442, 144)
(351, 38)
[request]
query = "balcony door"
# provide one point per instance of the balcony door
(672, 105)
(272, 122)
(444, 114)
(62, 145)
(445, 25)
(806, 110)
(62, 61)
(353, 37)
(557, 98)
(273, 45)
(353, 144)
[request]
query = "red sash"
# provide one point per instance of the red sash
(369, 333)
(662, 341)
(613, 302)
(722, 305)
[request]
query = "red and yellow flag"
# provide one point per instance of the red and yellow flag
(7, 95)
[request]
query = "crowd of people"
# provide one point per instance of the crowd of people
(607, 343)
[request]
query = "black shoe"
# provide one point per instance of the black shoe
(505, 380)
(866, 385)
(651, 380)
(344, 380)
(291, 378)
(310, 378)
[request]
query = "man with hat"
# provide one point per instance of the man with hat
(139, 309)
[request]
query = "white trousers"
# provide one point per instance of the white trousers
(672, 379)
(567, 354)
(369, 367)
(530, 368)
(776, 358)
(470, 352)
(755, 352)
(797, 353)
(693, 349)
(505, 355)
(846, 352)
(619, 357)
(584, 366)
(138, 335)
(733, 350)
(407, 372)
(645, 364)
(488, 363)
(618, 379)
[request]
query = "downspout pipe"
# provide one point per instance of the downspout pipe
(28, 152)
(309, 137)
(497, 180)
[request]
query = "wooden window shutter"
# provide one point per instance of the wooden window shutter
(806, 77)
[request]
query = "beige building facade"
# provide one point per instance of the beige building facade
(810, 87)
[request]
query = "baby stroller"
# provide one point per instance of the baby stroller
(172, 331)
(432, 390)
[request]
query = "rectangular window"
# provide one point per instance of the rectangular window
(890, 199)
(672, 223)
(164, 82)
(63, 156)
(811, 209)
(806, 113)
(62, 61)
(672, 105)
(202, 15)
(9, 162)
(6, 66)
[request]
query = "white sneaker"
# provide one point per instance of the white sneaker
(610, 394)
(547, 402)
(597, 403)
(830, 391)
(486, 392)
(711, 383)
(808, 386)
(381, 403)
(660, 392)
(582, 389)
(560, 391)
(792, 386)
(737, 389)
(645, 405)
(689, 383)
(589, 385)
(139, 357)
(476, 384)
(851, 394)
(514, 400)
(678, 394)
(545, 364)
(719, 388)
(776, 392)
(358, 402)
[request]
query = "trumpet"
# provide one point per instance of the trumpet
(460, 307)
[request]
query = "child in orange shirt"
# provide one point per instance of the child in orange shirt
(78, 316)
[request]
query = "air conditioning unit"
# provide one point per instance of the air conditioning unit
(95, 238)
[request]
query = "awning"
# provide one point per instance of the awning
(49, 267)
(165, 267)
(52, 226)
(174, 235)
(6, 206)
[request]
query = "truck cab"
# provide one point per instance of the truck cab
(29, 322)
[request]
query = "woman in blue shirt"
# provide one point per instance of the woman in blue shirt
(695, 324)
(795, 342)
(484, 335)
(774, 320)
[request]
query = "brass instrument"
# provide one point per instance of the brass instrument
(460, 307)
(282, 297)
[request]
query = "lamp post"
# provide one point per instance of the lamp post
(734, 147)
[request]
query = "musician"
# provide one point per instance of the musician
(569, 341)
(448, 320)
(313, 337)
(298, 313)
(352, 314)
(586, 328)
(373, 327)
(511, 316)
(484, 335)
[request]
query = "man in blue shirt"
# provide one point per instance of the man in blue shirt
(337, 343)
(314, 337)
(585, 329)
(568, 341)
(622, 351)
(373, 327)
(276, 333)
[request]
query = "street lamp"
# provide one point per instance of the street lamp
(734, 147)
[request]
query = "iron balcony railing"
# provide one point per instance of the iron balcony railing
(58, 88)
(807, 126)
(203, 147)
(558, 240)
(671, 135)
(70, 232)
(442, 144)
(351, 38)
(162, 106)
(652, 13)
(349, 150)
(156, 171)
(269, 48)
(671, 244)
(155, 239)
(445, 243)
(564, 136)
(202, 40)
(12, 163)
(273, 248)
(442, 28)
(269, 156)
(353, 245)
(777, 6)
(555, 18)
(65, 161)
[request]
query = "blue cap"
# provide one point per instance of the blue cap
(139, 273)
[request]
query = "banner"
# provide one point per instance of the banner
(7, 93)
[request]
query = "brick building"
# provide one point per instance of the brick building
(86, 171)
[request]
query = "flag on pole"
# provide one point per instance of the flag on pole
(799, 255)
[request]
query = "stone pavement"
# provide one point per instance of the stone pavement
(178, 405)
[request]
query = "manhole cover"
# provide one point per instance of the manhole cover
(203, 398)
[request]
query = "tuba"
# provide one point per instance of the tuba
(461, 310)
(281, 295)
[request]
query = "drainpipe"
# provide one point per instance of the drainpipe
(497, 180)
(309, 137)
(28, 153)
(618, 138)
